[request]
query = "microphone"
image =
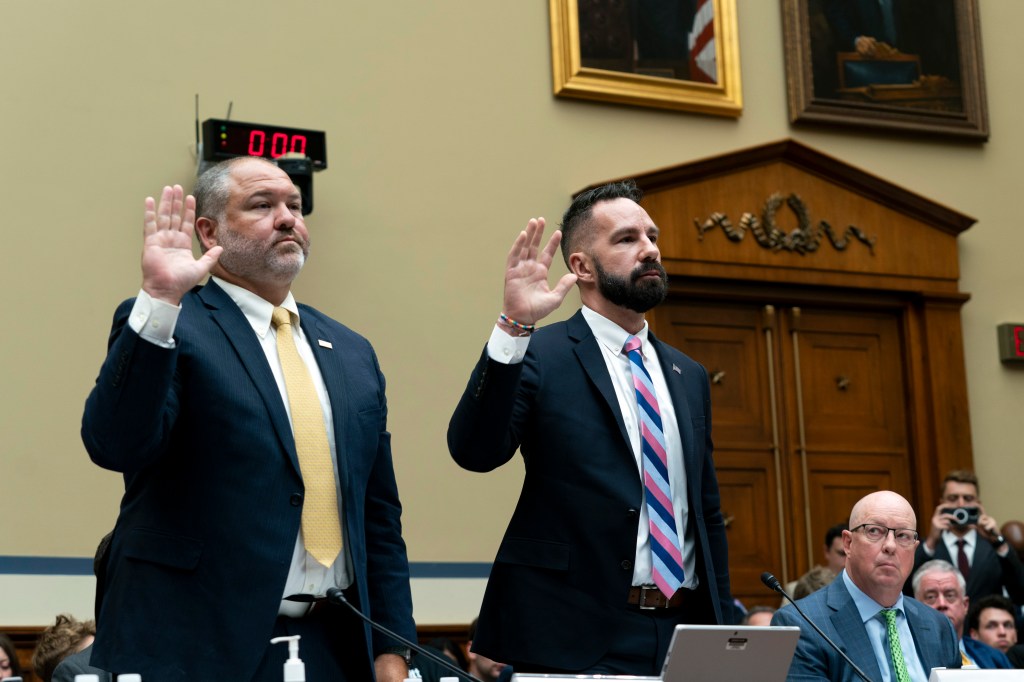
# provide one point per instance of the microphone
(772, 583)
(336, 596)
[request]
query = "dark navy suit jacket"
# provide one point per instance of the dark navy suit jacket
(985, 656)
(561, 578)
(833, 610)
(213, 493)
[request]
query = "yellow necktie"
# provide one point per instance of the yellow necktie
(321, 529)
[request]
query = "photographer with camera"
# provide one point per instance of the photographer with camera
(964, 535)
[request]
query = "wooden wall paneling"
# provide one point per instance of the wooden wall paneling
(747, 485)
(942, 353)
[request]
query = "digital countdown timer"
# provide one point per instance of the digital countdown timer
(1011, 342)
(228, 139)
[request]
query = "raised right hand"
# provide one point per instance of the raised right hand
(528, 298)
(169, 270)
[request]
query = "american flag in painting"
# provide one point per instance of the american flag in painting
(703, 67)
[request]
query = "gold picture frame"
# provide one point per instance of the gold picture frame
(572, 79)
(941, 44)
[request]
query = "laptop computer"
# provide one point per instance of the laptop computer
(727, 653)
(712, 653)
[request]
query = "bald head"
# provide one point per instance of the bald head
(882, 502)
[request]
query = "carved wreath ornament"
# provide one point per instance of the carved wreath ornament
(803, 240)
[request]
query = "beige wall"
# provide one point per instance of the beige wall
(444, 139)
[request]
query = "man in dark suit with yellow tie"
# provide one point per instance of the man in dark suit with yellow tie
(618, 535)
(251, 432)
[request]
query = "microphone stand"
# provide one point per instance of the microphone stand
(336, 596)
(772, 583)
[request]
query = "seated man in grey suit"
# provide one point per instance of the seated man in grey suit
(863, 611)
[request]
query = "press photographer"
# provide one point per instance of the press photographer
(964, 535)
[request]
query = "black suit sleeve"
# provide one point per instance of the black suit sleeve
(482, 433)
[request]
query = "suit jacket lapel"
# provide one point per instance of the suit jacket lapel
(226, 315)
(852, 635)
(924, 635)
(589, 353)
(331, 362)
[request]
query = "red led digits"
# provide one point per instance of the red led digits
(254, 137)
(278, 145)
(226, 139)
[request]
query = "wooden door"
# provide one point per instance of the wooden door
(808, 415)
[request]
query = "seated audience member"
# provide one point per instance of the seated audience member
(991, 620)
(482, 667)
(9, 665)
(451, 650)
(424, 668)
(834, 555)
(939, 585)
(978, 550)
(812, 581)
(65, 637)
(864, 610)
(78, 664)
(1013, 531)
(759, 615)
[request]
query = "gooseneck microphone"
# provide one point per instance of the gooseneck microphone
(772, 583)
(336, 596)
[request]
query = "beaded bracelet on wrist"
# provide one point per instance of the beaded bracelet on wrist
(528, 328)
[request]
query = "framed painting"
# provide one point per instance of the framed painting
(906, 65)
(668, 54)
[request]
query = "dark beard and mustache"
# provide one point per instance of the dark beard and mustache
(630, 292)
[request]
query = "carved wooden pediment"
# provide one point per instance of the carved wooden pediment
(803, 217)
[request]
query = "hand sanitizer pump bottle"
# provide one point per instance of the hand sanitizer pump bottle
(294, 668)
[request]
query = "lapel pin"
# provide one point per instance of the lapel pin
(328, 344)
(675, 368)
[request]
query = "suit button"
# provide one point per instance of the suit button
(626, 564)
(632, 514)
(296, 500)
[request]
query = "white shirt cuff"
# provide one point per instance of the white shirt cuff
(154, 320)
(508, 350)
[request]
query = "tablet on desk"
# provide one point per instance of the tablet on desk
(727, 653)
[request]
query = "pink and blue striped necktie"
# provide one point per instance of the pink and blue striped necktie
(666, 557)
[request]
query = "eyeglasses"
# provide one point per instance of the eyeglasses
(905, 537)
